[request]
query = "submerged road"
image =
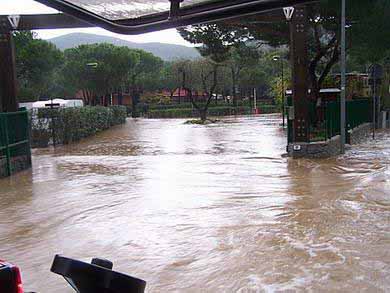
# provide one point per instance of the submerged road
(192, 208)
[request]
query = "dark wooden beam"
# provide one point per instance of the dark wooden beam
(60, 20)
(8, 89)
(273, 16)
(211, 11)
(50, 21)
(299, 55)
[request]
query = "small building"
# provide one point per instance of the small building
(327, 94)
(123, 99)
(357, 85)
(181, 95)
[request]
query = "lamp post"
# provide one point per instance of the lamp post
(255, 100)
(278, 58)
(375, 80)
(343, 79)
(91, 73)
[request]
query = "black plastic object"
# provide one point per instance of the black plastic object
(104, 263)
(10, 278)
(96, 277)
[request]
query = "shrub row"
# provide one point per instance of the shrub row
(213, 111)
(66, 125)
(145, 107)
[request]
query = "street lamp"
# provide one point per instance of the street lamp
(92, 65)
(278, 58)
(91, 74)
(14, 21)
(288, 12)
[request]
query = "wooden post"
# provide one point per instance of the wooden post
(8, 89)
(300, 75)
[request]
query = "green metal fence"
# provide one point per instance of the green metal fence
(332, 119)
(15, 152)
(357, 112)
(325, 121)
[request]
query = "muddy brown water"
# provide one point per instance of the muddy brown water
(213, 208)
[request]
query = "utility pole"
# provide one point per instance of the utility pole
(255, 99)
(376, 75)
(374, 110)
(278, 58)
(283, 94)
(343, 79)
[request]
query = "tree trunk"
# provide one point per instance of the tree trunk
(203, 115)
(234, 94)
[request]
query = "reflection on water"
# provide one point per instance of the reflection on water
(203, 209)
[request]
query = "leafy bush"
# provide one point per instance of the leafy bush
(119, 114)
(72, 124)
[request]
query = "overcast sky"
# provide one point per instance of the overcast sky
(32, 7)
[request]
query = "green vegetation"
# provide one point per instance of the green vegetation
(72, 124)
(200, 122)
(236, 58)
(368, 34)
(37, 63)
(114, 69)
(97, 71)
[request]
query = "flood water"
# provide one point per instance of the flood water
(192, 208)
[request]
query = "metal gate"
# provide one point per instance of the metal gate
(15, 151)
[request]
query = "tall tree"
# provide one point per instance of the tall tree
(171, 76)
(144, 71)
(97, 70)
(37, 62)
(242, 56)
(368, 32)
(216, 43)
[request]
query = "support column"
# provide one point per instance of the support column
(8, 88)
(299, 61)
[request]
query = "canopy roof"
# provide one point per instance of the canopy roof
(125, 9)
(141, 16)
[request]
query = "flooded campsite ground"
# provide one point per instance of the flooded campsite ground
(214, 208)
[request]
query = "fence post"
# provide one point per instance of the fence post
(7, 149)
(28, 137)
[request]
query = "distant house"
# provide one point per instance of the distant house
(327, 94)
(357, 85)
(181, 95)
(124, 99)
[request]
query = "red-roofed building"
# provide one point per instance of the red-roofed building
(181, 95)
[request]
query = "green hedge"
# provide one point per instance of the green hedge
(72, 124)
(221, 103)
(213, 111)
